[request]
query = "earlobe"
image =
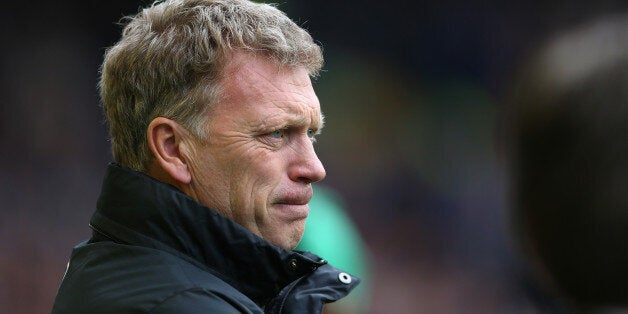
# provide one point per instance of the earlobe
(165, 140)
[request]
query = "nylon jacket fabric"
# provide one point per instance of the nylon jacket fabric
(156, 250)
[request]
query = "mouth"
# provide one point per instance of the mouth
(293, 206)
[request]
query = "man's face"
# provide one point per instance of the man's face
(258, 163)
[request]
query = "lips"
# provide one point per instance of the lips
(294, 197)
(293, 206)
(301, 200)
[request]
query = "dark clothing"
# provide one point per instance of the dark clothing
(156, 250)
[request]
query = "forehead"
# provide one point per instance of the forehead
(247, 72)
(256, 84)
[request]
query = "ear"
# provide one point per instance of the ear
(166, 139)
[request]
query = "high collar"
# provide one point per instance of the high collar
(136, 209)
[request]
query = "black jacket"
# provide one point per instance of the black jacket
(156, 250)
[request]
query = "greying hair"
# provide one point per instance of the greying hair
(169, 63)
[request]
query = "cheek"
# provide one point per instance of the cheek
(256, 176)
(210, 181)
(259, 165)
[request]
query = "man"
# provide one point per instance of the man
(570, 166)
(212, 118)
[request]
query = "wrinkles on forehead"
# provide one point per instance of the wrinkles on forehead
(255, 71)
(290, 117)
(253, 83)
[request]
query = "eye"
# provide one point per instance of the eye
(278, 134)
(311, 133)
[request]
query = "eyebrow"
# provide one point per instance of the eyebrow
(321, 122)
(284, 119)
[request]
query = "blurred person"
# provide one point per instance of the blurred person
(570, 165)
(212, 118)
(330, 232)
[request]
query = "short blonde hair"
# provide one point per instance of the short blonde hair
(170, 59)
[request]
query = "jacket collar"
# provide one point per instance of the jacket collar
(136, 209)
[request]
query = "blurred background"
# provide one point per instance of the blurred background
(412, 92)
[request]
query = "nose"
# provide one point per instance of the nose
(306, 168)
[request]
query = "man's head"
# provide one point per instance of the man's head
(215, 98)
(570, 150)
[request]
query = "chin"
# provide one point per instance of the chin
(284, 234)
(290, 239)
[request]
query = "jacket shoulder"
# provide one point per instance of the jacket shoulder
(107, 277)
(200, 301)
